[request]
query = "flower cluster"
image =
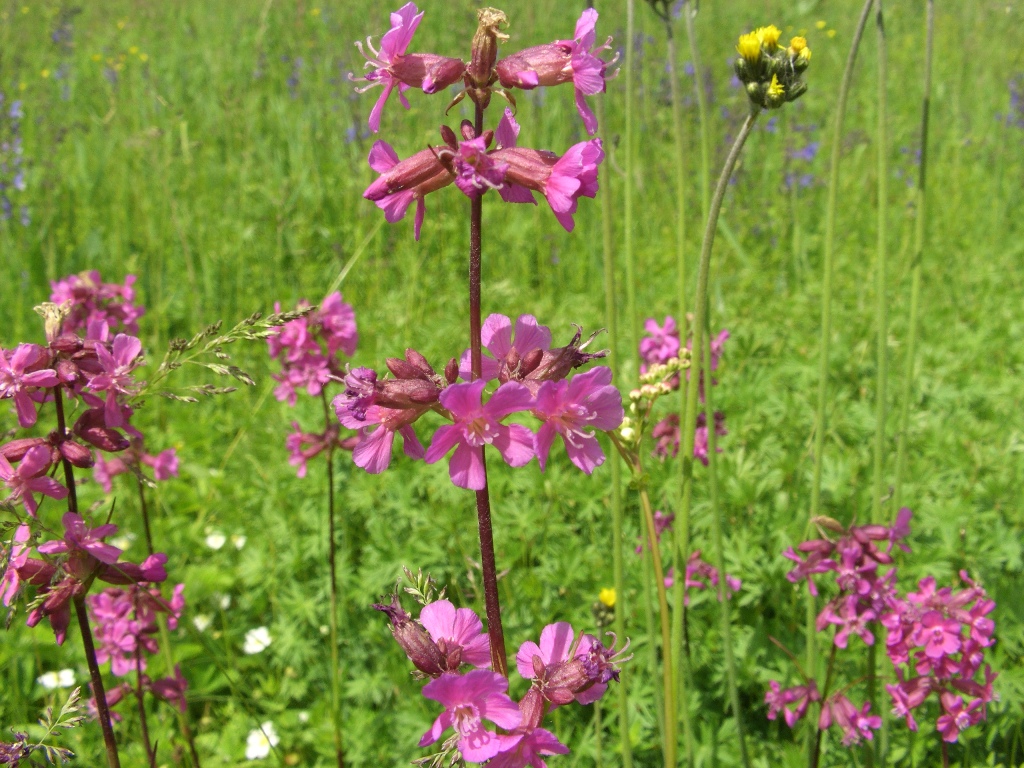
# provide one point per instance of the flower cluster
(164, 464)
(531, 378)
(308, 349)
(770, 72)
(491, 160)
(97, 308)
(936, 639)
(561, 669)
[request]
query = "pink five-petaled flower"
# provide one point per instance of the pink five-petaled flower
(956, 717)
(940, 636)
(477, 425)
(562, 61)
(476, 170)
(78, 537)
(450, 628)
(402, 181)
(30, 477)
(562, 180)
(373, 451)
(16, 377)
(661, 344)
(116, 377)
(779, 700)
(508, 348)
(567, 407)
(392, 66)
(561, 671)
(469, 700)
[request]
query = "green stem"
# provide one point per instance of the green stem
(618, 577)
(702, 108)
(652, 645)
(332, 560)
(716, 532)
(881, 303)
(627, 194)
(598, 737)
(915, 275)
(826, 330)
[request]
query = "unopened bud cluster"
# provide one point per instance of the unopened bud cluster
(771, 72)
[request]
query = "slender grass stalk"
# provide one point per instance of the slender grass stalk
(598, 737)
(915, 270)
(143, 721)
(873, 751)
(627, 193)
(716, 533)
(689, 14)
(499, 662)
(618, 577)
(826, 330)
(100, 694)
(332, 560)
(652, 632)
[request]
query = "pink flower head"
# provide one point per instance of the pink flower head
(527, 746)
(661, 343)
(117, 366)
(30, 477)
(164, 464)
(403, 181)
(562, 180)
(391, 66)
(373, 451)
(172, 689)
(337, 322)
(454, 628)
(476, 170)
(78, 537)
(956, 717)
(855, 723)
(17, 558)
(469, 700)
(563, 61)
(477, 425)
(22, 371)
(779, 700)
(940, 636)
(97, 306)
(508, 347)
(562, 671)
(569, 407)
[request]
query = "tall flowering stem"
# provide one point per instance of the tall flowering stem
(689, 13)
(915, 270)
(618, 575)
(492, 605)
(81, 614)
(826, 319)
(627, 193)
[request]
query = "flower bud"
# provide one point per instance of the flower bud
(421, 650)
(407, 393)
(15, 450)
(77, 454)
(66, 343)
(67, 371)
(451, 371)
(428, 71)
(92, 428)
(480, 72)
(403, 369)
(420, 362)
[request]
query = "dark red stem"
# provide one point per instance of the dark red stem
(98, 692)
(143, 722)
(483, 501)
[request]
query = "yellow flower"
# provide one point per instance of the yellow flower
(22, 86)
(831, 33)
(749, 47)
(775, 90)
(97, 57)
(607, 596)
(797, 44)
(805, 55)
(121, 24)
(45, 73)
(143, 57)
(133, 50)
(315, 12)
(768, 36)
(24, 9)
(821, 24)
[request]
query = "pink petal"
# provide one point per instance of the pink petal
(524, 659)
(382, 157)
(443, 440)
(531, 335)
(515, 445)
(496, 335)
(438, 618)
(511, 397)
(373, 452)
(466, 468)
(555, 642)
(542, 441)
(463, 400)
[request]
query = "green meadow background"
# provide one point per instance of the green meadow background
(217, 150)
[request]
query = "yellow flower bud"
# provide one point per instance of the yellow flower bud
(749, 47)
(775, 89)
(768, 36)
(607, 596)
(797, 44)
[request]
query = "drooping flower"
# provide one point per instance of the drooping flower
(469, 700)
(23, 370)
(569, 407)
(527, 747)
(392, 66)
(476, 425)
(30, 477)
(563, 61)
(403, 181)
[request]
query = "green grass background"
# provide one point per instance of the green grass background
(226, 189)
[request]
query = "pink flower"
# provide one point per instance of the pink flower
(391, 66)
(454, 628)
(98, 306)
(569, 407)
(17, 558)
(476, 171)
(779, 700)
(527, 748)
(661, 344)
(956, 717)
(940, 636)
(21, 371)
(562, 180)
(562, 671)
(116, 377)
(373, 451)
(855, 723)
(164, 464)
(172, 689)
(507, 347)
(561, 62)
(78, 537)
(477, 425)
(469, 700)
(403, 181)
(337, 321)
(30, 477)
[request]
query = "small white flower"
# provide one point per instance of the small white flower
(216, 540)
(225, 602)
(260, 741)
(239, 541)
(202, 621)
(123, 541)
(51, 680)
(257, 640)
(303, 717)
(324, 629)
